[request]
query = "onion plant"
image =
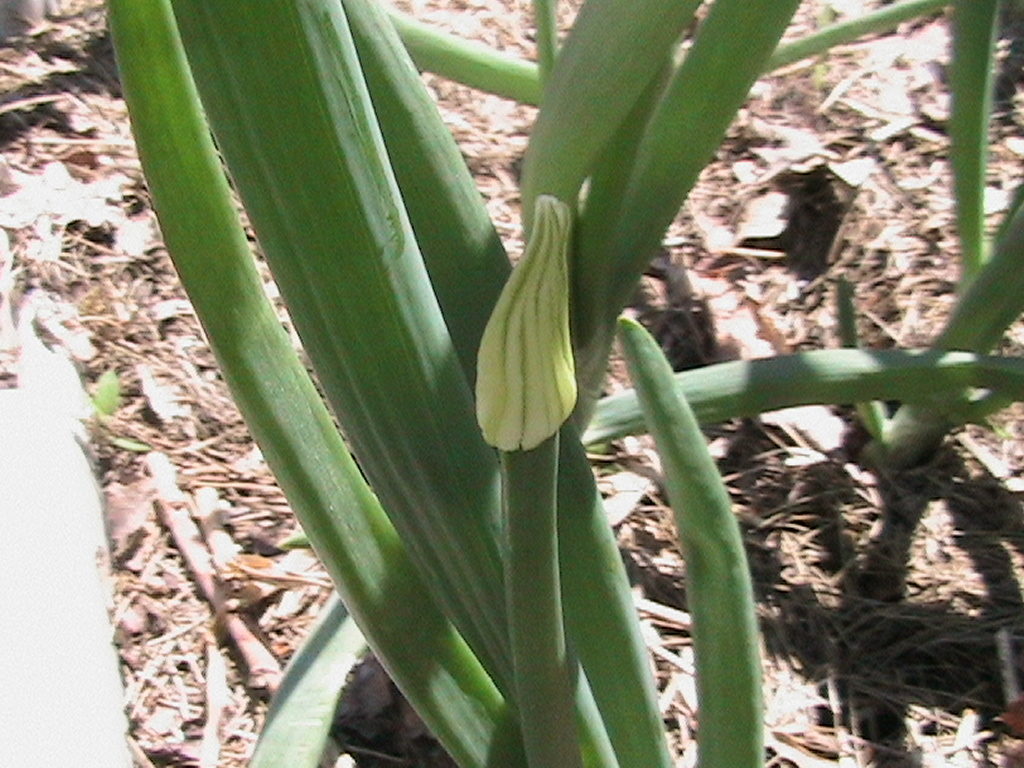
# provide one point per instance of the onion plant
(469, 545)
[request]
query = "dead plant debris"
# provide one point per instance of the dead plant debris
(891, 606)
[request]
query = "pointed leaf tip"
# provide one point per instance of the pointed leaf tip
(526, 379)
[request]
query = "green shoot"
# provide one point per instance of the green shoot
(719, 589)
(871, 413)
(545, 14)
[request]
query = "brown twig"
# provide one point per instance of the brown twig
(173, 508)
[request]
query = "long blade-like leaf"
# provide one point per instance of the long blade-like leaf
(299, 721)
(877, 22)
(288, 104)
(467, 62)
(970, 80)
(730, 51)
(994, 298)
(747, 387)
(464, 257)
(343, 519)
(719, 590)
(600, 72)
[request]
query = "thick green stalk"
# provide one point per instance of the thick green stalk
(286, 99)
(356, 541)
(543, 689)
(880, 21)
(748, 387)
(719, 591)
(525, 392)
(470, 63)
(970, 80)
(598, 605)
(729, 52)
(600, 73)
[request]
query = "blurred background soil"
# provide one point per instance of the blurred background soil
(884, 598)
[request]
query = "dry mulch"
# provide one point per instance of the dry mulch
(884, 598)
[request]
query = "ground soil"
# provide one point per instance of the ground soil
(883, 597)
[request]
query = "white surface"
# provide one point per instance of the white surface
(61, 699)
(20, 16)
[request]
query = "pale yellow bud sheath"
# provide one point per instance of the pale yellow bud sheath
(526, 379)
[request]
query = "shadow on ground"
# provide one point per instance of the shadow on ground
(898, 607)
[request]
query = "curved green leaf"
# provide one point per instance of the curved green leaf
(879, 21)
(468, 62)
(719, 591)
(300, 717)
(748, 387)
(600, 72)
(355, 540)
(288, 104)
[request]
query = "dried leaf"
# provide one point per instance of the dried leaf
(1013, 717)
(128, 509)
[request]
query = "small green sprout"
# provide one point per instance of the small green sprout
(106, 398)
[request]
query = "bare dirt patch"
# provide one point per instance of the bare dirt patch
(882, 598)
